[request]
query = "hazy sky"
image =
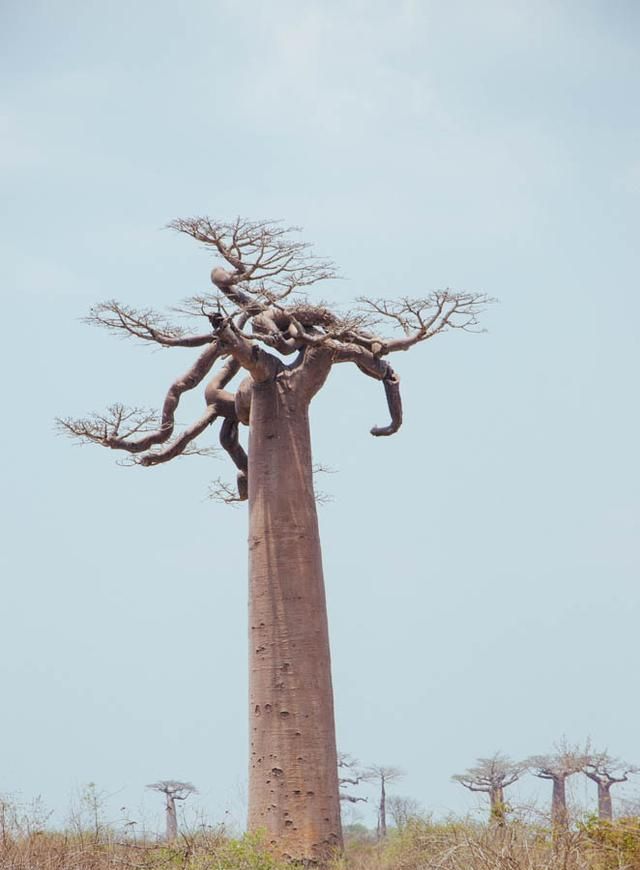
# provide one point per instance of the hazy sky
(482, 565)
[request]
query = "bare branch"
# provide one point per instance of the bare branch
(221, 491)
(356, 776)
(489, 774)
(266, 262)
(423, 318)
(386, 774)
(174, 788)
(606, 769)
(116, 423)
(107, 429)
(320, 468)
(145, 324)
(470, 784)
(346, 761)
(565, 761)
(191, 449)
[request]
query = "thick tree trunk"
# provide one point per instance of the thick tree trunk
(605, 807)
(497, 812)
(559, 804)
(382, 823)
(171, 820)
(293, 777)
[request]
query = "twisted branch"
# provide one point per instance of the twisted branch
(262, 267)
(374, 367)
(220, 403)
(605, 769)
(107, 429)
(231, 443)
(178, 445)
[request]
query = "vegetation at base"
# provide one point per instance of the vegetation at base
(206, 850)
(422, 844)
(616, 843)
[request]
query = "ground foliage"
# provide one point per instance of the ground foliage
(421, 845)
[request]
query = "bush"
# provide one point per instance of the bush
(613, 844)
(247, 853)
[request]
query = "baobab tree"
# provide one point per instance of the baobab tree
(383, 775)
(261, 325)
(558, 767)
(491, 776)
(173, 790)
(606, 771)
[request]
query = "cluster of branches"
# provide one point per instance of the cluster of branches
(259, 305)
(494, 774)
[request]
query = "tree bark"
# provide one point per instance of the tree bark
(605, 807)
(172, 819)
(497, 812)
(383, 810)
(559, 803)
(293, 776)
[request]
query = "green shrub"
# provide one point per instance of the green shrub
(613, 844)
(247, 853)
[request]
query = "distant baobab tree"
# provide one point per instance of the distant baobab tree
(257, 320)
(173, 790)
(606, 771)
(383, 775)
(558, 767)
(491, 776)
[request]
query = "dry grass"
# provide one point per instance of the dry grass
(64, 851)
(422, 845)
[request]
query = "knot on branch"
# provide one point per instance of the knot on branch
(222, 278)
(217, 320)
(309, 315)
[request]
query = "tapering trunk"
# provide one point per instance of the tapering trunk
(559, 804)
(382, 820)
(605, 807)
(171, 819)
(293, 777)
(497, 812)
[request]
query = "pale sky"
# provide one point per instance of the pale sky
(482, 565)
